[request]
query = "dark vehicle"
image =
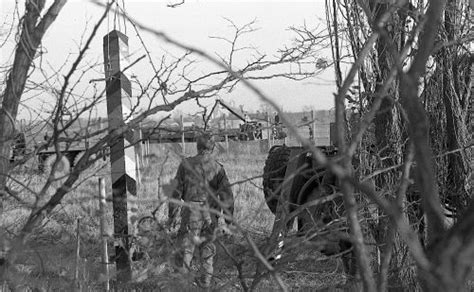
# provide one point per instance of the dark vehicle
(306, 181)
(19, 146)
(170, 134)
(70, 155)
(248, 131)
(278, 131)
(71, 151)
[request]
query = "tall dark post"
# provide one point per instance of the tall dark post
(122, 152)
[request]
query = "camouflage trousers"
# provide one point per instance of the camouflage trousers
(196, 230)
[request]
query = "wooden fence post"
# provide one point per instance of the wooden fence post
(103, 233)
(122, 151)
(226, 137)
(137, 138)
(147, 150)
(268, 131)
(183, 150)
(77, 281)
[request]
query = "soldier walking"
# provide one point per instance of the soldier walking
(202, 183)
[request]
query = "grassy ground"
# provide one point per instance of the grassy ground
(48, 260)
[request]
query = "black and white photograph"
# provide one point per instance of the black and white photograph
(236, 145)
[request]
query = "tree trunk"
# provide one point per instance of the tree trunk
(454, 69)
(32, 32)
(389, 150)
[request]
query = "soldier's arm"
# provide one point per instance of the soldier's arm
(177, 192)
(224, 192)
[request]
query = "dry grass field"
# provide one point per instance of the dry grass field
(48, 261)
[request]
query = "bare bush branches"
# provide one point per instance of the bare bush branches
(176, 81)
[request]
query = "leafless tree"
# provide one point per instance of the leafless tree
(173, 83)
(391, 47)
(394, 51)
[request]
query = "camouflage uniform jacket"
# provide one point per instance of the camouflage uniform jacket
(202, 179)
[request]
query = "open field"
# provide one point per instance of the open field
(48, 260)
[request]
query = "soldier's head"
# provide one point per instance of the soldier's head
(205, 143)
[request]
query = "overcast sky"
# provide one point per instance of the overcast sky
(192, 23)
